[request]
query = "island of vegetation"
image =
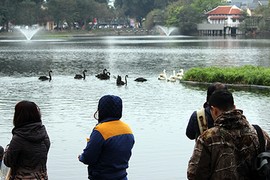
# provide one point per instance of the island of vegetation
(245, 76)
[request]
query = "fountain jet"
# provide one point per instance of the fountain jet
(28, 32)
(166, 30)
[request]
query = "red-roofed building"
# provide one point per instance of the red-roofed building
(222, 20)
(228, 10)
(228, 15)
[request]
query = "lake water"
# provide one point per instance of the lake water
(157, 111)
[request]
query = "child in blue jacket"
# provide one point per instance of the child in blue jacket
(108, 150)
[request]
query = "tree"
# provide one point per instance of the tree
(188, 18)
(103, 13)
(162, 4)
(166, 16)
(172, 12)
(85, 12)
(3, 14)
(62, 11)
(101, 1)
(263, 14)
(183, 16)
(204, 6)
(135, 8)
(26, 13)
(140, 8)
(19, 12)
(154, 18)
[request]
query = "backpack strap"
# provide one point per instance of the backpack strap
(264, 157)
(202, 123)
(261, 137)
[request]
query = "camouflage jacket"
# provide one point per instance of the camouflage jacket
(226, 151)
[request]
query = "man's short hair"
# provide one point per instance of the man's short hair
(222, 99)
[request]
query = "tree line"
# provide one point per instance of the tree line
(184, 14)
(29, 12)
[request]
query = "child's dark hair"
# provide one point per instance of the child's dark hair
(222, 99)
(26, 112)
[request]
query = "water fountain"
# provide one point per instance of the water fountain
(27, 31)
(166, 30)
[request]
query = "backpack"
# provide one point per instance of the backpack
(202, 122)
(262, 161)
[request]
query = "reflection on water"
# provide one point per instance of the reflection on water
(157, 111)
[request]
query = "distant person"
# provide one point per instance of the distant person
(1, 155)
(108, 150)
(201, 120)
(227, 150)
(27, 151)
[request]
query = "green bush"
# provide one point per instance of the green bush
(253, 75)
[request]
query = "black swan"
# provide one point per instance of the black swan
(140, 79)
(45, 78)
(79, 76)
(119, 81)
(104, 75)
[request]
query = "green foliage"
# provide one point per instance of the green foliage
(26, 14)
(150, 18)
(3, 14)
(188, 19)
(172, 12)
(135, 8)
(140, 8)
(62, 10)
(20, 12)
(182, 15)
(187, 14)
(203, 6)
(264, 12)
(82, 11)
(253, 75)
(101, 1)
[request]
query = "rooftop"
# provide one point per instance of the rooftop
(226, 10)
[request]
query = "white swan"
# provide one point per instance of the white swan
(162, 76)
(172, 77)
(180, 74)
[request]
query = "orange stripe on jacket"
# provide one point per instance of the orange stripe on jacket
(113, 128)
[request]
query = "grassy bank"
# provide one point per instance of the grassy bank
(250, 75)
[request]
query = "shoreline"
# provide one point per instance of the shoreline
(45, 34)
(234, 86)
